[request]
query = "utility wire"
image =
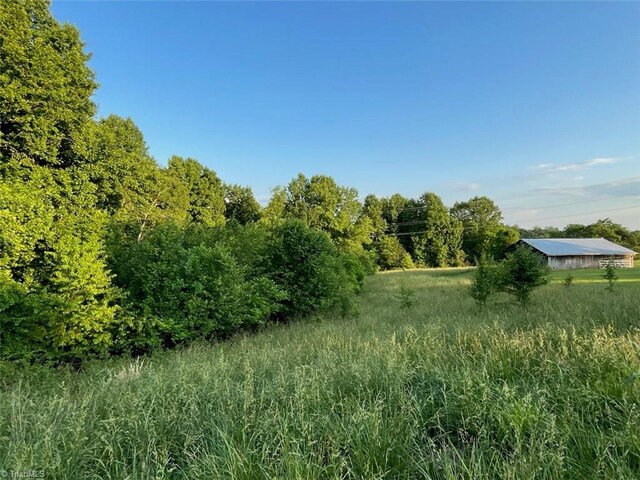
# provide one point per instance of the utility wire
(586, 213)
(613, 197)
(537, 220)
(573, 203)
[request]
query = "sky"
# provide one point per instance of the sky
(536, 105)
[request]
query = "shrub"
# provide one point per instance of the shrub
(522, 272)
(406, 297)
(610, 275)
(308, 267)
(485, 280)
(56, 298)
(181, 288)
(568, 280)
(391, 254)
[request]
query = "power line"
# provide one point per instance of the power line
(398, 224)
(406, 233)
(613, 197)
(537, 220)
(586, 213)
(573, 203)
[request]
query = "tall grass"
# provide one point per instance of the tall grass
(440, 390)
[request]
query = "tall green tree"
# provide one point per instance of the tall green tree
(54, 285)
(439, 244)
(373, 208)
(482, 222)
(322, 204)
(273, 214)
(241, 205)
(205, 190)
(120, 166)
(45, 86)
(56, 298)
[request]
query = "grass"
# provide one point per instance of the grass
(439, 390)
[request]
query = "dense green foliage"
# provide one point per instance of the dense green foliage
(484, 232)
(485, 280)
(441, 390)
(102, 250)
(45, 86)
(521, 272)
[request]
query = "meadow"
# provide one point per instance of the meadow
(418, 383)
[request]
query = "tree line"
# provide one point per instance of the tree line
(604, 228)
(103, 250)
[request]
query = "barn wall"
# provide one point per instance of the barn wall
(589, 261)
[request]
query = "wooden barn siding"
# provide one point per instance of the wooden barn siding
(587, 261)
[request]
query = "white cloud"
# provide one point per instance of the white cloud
(546, 168)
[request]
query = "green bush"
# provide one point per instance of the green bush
(521, 272)
(181, 288)
(610, 275)
(56, 297)
(391, 254)
(406, 297)
(485, 281)
(308, 267)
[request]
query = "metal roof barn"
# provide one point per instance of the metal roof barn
(565, 253)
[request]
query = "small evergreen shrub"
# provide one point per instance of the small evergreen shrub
(522, 272)
(568, 280)
(610, 275)
(485, 281)
(406, 297)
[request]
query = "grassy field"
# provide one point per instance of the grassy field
(438, 390)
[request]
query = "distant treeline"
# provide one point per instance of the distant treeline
(104, 251)
(600, 229)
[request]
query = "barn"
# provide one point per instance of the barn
(565, 253)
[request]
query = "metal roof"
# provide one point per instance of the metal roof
(557, 247)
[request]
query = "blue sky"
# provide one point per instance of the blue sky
(536, 105)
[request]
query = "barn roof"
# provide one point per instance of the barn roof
(556, 247)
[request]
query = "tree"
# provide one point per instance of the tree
(241, 205)
(45, 86)
(204, 188)
(373, 208)
(485, 280)
(57, 298)
(305, 263)
(541, 232)
(120, 166)
(522, 272)
(391, 254)
(575, 230)
(393, 207)
(439, 244)
(481, 220)
(503, 238)
(273, 214)
(320, 203)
